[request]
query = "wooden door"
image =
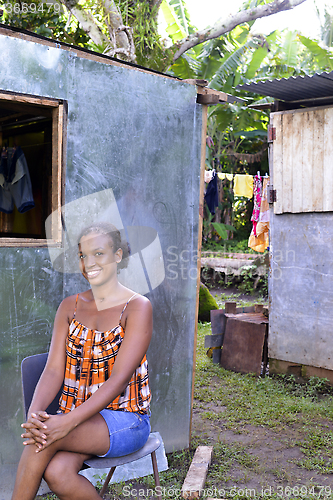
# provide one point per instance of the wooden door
(303, 160)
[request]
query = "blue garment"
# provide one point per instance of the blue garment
(15, 183)
(212, 195)
(128, 431)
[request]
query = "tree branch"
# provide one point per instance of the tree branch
(120, 35)
(230, 23)
(86, 21)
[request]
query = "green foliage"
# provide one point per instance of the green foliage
(237, 58)
(174, 28)
(100, 479)
(327, 26)
(222, 229)
(149, 48)
(207, 303)
(46, 19)
(320, 56)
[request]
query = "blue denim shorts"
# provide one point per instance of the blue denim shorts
(128, 431)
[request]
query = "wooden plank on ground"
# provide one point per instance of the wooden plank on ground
(195, 479)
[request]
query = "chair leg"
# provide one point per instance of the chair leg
(106, 482)
(156, 475)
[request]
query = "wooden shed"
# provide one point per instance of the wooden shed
(301, 224)
(97, 133)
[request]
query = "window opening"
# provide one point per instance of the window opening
(31, 168)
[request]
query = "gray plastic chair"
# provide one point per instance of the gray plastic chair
(31, 370)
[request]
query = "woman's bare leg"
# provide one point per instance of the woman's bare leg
(89, 438)
(63, 479)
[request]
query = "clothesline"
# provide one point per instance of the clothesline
(248, 186)
(243, 183)
(248, 157)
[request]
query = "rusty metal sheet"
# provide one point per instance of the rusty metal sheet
(213, 340)
(217, 319)
(243, 346)
(216, 355)
(255, 317)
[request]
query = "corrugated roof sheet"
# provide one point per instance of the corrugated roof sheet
(295, 88)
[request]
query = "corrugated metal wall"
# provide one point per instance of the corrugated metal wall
(140, 135)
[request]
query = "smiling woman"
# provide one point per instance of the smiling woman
(99, 342)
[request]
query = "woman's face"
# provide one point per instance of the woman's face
(98, 258)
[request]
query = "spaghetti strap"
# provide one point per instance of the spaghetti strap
(122, 312)
(77, 297)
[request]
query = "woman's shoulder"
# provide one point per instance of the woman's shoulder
(69, 304)
(138, 299)
(138, 303)
(137, 311)
(73, 299)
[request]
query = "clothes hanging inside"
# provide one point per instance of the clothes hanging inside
(225, 175)
(212, 194)
(15, 183)
(243, 185)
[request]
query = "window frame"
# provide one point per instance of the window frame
(58, 108)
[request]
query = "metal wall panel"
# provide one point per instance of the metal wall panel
(140, 135)
(301, 288)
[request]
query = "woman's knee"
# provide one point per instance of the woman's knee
(59, 471)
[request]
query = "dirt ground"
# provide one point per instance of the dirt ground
(271, 466)
(274, 454)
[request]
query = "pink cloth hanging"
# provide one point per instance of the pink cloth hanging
(257, 193)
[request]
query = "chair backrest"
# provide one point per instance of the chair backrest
(31, 370)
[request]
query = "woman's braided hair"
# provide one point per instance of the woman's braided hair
(115, 235)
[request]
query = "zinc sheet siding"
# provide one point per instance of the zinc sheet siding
(303, 160)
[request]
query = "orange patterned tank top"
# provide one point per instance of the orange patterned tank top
(90, 356)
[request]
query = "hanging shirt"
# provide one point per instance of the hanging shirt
(15, 183)
(208, 175)
(212, 195)
(259, 237)
(257, 189)
(243, 185)
(224, 175)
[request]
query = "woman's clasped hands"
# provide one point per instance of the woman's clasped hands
(42, 429)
